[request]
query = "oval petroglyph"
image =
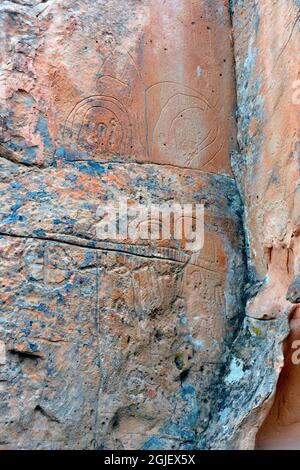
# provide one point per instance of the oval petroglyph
(186, 129)
(98, 124)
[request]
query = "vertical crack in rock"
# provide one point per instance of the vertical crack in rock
(267, 174)
(97, 327)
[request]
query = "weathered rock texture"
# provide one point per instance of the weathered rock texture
(266, 38)
(143, 344)
(114, 345)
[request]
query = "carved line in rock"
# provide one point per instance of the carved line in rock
(160, 254)
(110, 59)
(102, 120)
(186, 126)
(209, 285)
(208, 258)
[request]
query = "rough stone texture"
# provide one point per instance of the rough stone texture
(266, 36)
(248, 382)
(293, 294)
(106, 344)
(144, 344)
(280, 429)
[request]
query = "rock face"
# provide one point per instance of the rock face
(266, 37)
(142, 343)
(113, 344)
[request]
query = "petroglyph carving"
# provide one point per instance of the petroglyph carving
(119, 70)
(186, 130)
(211, 257)
(208, 286)
(203, 287)
(98, 123)
(105, 123)
(147, 301)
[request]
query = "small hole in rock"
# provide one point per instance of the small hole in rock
(184, 375)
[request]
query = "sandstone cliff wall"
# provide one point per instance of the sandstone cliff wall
(266, 168)
(142, 343)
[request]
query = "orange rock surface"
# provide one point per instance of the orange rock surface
(143, 342)
(103, 100)
(267, 63)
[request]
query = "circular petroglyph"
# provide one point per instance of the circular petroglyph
(98, 124)
(183, 128)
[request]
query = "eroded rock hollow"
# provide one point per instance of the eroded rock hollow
(146, 343)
